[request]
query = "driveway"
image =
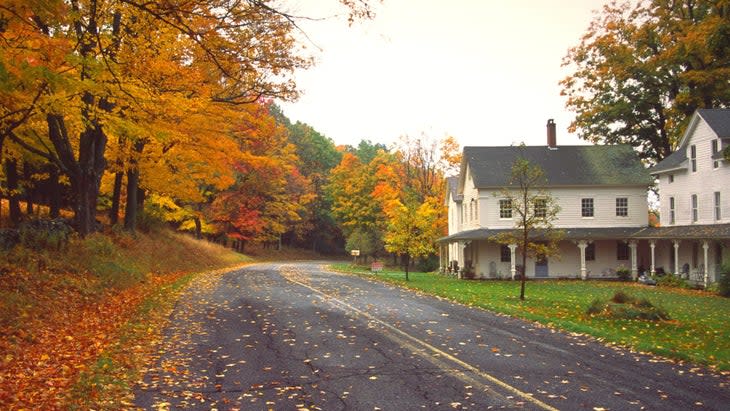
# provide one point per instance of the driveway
(295, 336)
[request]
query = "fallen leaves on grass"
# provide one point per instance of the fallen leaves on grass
(43, 355)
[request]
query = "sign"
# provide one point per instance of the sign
(376, 266)
(355, 253)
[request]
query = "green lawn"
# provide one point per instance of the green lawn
(699, 329)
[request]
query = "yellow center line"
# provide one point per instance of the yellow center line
(417, 342)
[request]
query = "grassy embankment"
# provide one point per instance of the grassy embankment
(699, 329)
(79, 322)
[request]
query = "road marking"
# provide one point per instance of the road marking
(415, 343)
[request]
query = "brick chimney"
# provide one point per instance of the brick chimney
(551, 141)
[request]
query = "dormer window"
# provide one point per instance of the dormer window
(715, 150)
(693, 157)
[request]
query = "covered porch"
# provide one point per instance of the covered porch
(694, 253)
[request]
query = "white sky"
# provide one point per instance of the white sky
(484, 71)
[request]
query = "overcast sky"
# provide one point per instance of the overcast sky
(484, 71)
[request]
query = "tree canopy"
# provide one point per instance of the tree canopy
(642, 69)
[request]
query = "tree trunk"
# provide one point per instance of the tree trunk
(524, 266)
(11, 175)
(28, 178)
(130, 211)
(116, 198)
(198, 228)
(54, 192)
(407, 258)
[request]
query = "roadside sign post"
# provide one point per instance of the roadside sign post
(355, 254)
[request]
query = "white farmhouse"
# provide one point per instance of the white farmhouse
(602, 193)
(604, 212)
(694, 189)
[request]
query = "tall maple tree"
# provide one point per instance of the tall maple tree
(643, 68)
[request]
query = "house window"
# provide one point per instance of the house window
(540, 208)
(471, 211)
(693, 157)
(695, 214)
(586, 207)
(715, 149)
(695, 251)
(718, 253)
(505, 254)
(670, 178)
(671, 210)
(505, 208)
(591, 252)
(622, 207)
(718, 212)
(622, 251)
(476, 210)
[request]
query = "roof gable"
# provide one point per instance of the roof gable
(717, 119)
(564, 166)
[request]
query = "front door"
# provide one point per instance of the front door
(541, 266)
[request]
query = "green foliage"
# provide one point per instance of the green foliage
(723, 282)
(368, 242)
(428, 264)
(623, 273)
(40, 234)
(626, 307)
(672, 281)
(8, 238)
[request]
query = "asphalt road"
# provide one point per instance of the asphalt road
(294, 336)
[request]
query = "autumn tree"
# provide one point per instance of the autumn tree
(317, 156)
(72, 69)
(642, 69)
(412, 229)
(534, 210)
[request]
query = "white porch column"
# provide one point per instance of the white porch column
(462, 246)
(512, 262)
(652, 246)
(676, 257)
(634, 269)
(442, 266)
(582, 244)
(705, 247)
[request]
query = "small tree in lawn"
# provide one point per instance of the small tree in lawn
(412, 228)
(533, 210)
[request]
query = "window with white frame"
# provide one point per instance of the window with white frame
(715, 150)
(718, 211)
(671, 210)
(505, 208)
(540, 207)
(693, 157)
(622, 207)
(586, 207)
(670, 178)
(695, 212)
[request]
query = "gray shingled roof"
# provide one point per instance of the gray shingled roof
(718, 119)
(671, 162)
(689, 232)
(564, 166)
